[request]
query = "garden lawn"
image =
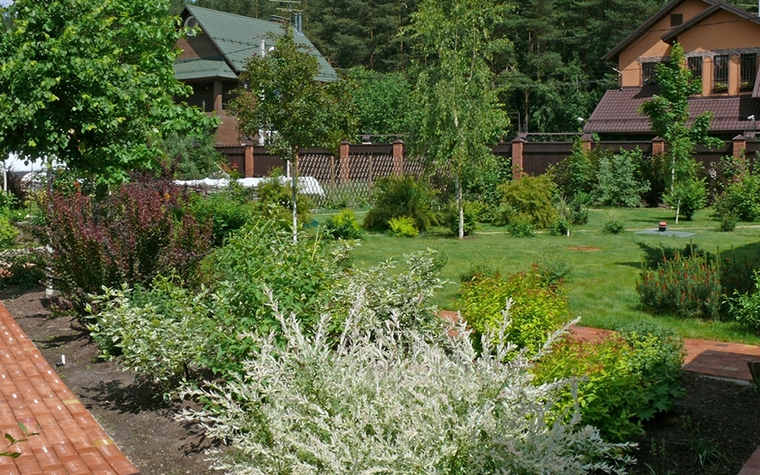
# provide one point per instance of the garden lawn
(602, 286)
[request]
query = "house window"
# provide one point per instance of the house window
(720, 73)
(695, 67)
(676, 19)
(649, 72)
(748, 71)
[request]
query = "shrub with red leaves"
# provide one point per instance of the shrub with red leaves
(130, 236)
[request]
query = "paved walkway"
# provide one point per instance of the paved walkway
(69, 440)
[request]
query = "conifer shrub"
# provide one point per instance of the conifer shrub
(689, 287)
(622, 379)
(741, 198)
(130, 236)
(396, 197)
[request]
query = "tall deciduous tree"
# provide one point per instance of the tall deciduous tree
(91, 84)
(668, 114)
(282, 96)
(461, 114)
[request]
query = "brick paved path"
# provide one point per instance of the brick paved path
(70, 441)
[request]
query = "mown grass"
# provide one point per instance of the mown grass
(601, 289)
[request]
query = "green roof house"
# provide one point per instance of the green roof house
(212, 59)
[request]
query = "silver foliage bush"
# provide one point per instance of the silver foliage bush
(391, 401)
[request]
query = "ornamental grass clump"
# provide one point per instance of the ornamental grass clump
(393, 401)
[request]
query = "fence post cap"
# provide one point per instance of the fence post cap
(518, 140)
(739, 138)
(658, 139)
(587, 137)
(398, 141)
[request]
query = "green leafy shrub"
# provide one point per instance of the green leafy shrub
(275, 202)
(552, 265)
(480, 269)
(521, 226)
(745, 307)
(741, 199)
(532, 198)
(561, 227)
(471, 211)
(655, 170)
(688, 287)
(262, 258)
(727, 222)
(396, 197)
(577, 173)
(403, 226)
(8, 232)
(613, 225)
(130, 236)
(227, 211)
(407, 403)
(618, 180)
(622, 380)
(688, 197)
(343, 226)
(536, 310)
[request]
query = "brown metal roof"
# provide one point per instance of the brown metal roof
(618, 112)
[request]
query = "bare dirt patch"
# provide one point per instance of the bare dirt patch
(584, 248)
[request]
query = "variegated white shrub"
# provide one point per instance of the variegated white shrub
(390, 401)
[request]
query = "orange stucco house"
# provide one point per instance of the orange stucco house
(722, 44)
(213, 57)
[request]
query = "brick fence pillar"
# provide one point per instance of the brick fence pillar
(740, 146)
(398, 157)
(586, 142)
(345, 161)
(658, 146)
(518, 145)
(248, 167)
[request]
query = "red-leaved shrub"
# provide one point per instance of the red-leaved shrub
(130, 236)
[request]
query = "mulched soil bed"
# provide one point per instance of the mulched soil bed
(713, 429)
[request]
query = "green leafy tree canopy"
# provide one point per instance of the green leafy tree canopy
(282, 96)
(91, 84)
(668, 114)
(459, 105)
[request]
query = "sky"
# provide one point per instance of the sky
(5, 3)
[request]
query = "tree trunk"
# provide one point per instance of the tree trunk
(460, 205)
(294, 187)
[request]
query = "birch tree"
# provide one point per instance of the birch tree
(461, 114)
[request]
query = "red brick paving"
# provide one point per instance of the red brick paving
(69, 440)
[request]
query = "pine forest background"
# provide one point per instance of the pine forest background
(552, 75)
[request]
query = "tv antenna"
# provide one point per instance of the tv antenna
(292, 13)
